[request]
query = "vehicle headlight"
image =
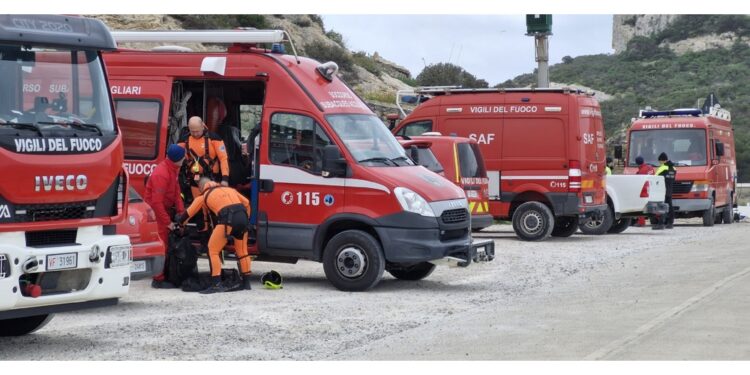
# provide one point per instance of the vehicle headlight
(118, 256)
(699, 186)
(413, 202)
(4, 266)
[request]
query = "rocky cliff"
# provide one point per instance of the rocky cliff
(627, 26)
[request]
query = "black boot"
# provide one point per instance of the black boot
(246, 282)
(216, 286)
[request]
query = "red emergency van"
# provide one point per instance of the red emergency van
(328, 181)
(543, 149)
(459, 160)
(701, 145)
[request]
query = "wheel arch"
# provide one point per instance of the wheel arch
(337, 224)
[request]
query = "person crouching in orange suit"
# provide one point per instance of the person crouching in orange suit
(231, 211)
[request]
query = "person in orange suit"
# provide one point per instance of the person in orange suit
(231, 211)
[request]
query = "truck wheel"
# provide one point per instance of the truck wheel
(727, 214)
(620, 226)
(709, 215)
(565, 226)
(601, 225)
(413, 272)
(353, 261)
(653, 220)
(533, 221)
(23, 326)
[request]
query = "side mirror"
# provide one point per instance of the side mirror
(333, 164)
(414, 154)
(719, 149)
(618, 152)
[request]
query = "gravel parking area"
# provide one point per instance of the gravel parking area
(309, 319)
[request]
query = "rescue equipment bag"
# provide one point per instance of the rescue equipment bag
(182, 259)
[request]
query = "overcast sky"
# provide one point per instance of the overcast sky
(493, 48)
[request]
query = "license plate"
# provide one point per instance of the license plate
(588, 199)
(62, 261)
(472, 194)
(138, 266)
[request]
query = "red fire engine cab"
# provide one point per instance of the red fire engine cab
(543, 149)
(701, 145)
(327, 180)
(60, 172)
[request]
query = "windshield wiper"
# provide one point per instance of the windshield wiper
(24, 125)
(404, 158)
(379, 159)
(77, 125)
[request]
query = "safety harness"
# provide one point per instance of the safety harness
(233, 216)
(206, 163)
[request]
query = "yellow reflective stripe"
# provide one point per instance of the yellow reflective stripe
(455, 161)
(471, 206)
(486, 206)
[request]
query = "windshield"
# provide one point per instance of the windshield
(56, 89)
(368, 140)
(682, 146)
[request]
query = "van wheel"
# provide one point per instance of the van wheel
(412, 272)
(23, 326)
(600, 225)
(709, 215)
(726, 215)
(533, 221)
(565, 226)
(620, 226)
(353, 261)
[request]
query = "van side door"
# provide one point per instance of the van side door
(301, 199)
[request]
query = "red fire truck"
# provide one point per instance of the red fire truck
(701, 145)
(543, 149)
(327, 181)
(61, 172)
(459, 160)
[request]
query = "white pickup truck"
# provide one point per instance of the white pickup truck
(628, 196)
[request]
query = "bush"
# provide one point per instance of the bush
(323, 52)
(221, 21)
(336, 37)
(367, 62)
(302, 22)
(447, 74)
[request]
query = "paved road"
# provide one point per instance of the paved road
(686, 301)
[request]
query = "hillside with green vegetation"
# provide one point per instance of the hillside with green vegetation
(650, 74)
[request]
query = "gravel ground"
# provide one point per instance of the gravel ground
(311, 320)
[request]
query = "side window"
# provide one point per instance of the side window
(297, 141)
(139, 125)
(416, 128)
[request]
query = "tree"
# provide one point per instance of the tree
(447, 74)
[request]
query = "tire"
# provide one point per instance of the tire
(727, 214)
(600, 226)
(565, 226)
(413, 272)
(353, 261)
(709, 215)
(23, 326)
(533, 221)
(620, 226)
(653, 220)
